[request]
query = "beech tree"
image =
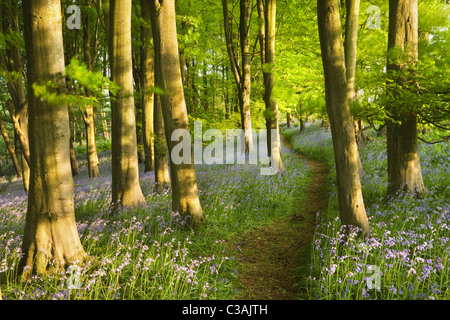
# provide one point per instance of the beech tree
(268, 38)
(88, 111)
(126, 190)
(185, 200)
(242, 70)
(161, 167)
(350, 45)
(50, 235)
(351, 205)
(404, 172)
(147, 82)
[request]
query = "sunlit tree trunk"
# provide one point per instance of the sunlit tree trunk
(51, 237)
(351, 205)
(350, 45)
(126, 190)
(185, 200)
(11, 149)
(244, 32)
(273, 142)
(404, 172)
(147, 67)
(242, 71)
(162, 176)
(73, 159)
(350, 50)
(88, 110)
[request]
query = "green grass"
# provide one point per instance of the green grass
(410, 242)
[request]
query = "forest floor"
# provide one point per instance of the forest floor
(274, 256)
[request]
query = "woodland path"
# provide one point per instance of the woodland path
(272, 256)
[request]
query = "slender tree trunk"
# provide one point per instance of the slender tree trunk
(242, 74)
(11, 150)
(350, 49)
(88, 112)
(73, 159)
(50, 236)
(350, 45)
(162, 176)
(404, 172)
(126, 190)
(244, 31)
(13, 63)
(185, 198)
(351, 204)
(273, 142)
(147, 66)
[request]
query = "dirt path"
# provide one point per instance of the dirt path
(273, 256)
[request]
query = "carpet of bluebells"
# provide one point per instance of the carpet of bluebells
(143, 253)
(409, 249)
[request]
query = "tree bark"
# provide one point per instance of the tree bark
(13, 63)
(244, 34)
(88, 112)
(273, 142)
(126, 190)
(50, 235)
(11, 150)
(162, 176)
(351, 205)
(242, 73)
(185, 200)
(73, 158)
(404, 173)
(147, 67)
(350, 45)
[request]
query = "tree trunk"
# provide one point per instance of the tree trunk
(404, 173)
(244, 32)
(351, 204)
(50, 234)
(162, 176)
(242, 75)
(73, 159)
(126, 190)
(88, 112)
(273, 142)
(350, 45)
(185, 200)
(91, 143)
(11, 150)
(147, 66)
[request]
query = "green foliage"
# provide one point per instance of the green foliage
(79, 77)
